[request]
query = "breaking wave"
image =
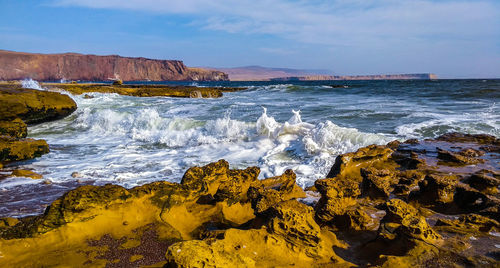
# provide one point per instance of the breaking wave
(274, 146)
(30, 83)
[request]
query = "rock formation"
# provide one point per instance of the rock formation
(397, 205)
(19, 107)
(144, 90)
(32, 106)
(73, 66)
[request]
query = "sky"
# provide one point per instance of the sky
(451, 38)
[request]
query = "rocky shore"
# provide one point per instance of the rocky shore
(431, 203)
(20, 107)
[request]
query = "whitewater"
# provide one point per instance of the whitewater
(301, 126)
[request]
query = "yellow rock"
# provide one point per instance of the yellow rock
(203, 201)
(8, 222)
(33, 106)
(26, 173)
(348, 165)
(403, 219)
(14, 128)
(136, 258)
(144, 90)
(290, 238)
(22, 149)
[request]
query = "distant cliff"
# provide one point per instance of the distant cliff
(72, 66)
(259, 73)
(359, 77)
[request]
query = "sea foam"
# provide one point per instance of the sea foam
(30, 83)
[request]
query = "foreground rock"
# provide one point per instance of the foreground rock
(418, 203)
(391, 206)
(144, 90)
(205, 220)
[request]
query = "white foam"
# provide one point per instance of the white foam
(441, 123)
(111, 145)
(30, 83)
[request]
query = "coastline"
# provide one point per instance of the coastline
(430, 201)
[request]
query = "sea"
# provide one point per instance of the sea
(302, 125)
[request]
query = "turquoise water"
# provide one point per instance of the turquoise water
(302, 126)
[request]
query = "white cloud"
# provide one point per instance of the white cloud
(340, 22)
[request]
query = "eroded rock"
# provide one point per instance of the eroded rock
(349, 164)
(21, 149)
(15, 128)
(464, 157)
(403, 220)
(290, 238)
(437, 189)
(378, 183)
(34, 106)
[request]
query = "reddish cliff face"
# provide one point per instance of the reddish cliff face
(72, 66)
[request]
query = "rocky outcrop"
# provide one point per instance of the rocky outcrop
(33, 106)
(389, 206)
(73, 66)
(143, 90)
(15, 128)
(21, 149)
(19, 107)
(207, 219)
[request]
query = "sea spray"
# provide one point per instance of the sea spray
(266, 125)
(30, 83)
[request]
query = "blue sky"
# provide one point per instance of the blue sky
(450, 38)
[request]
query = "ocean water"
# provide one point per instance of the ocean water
(276, 126)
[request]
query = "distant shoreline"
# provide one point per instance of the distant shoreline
(425, 76)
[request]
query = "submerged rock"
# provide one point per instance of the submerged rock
(26, 173)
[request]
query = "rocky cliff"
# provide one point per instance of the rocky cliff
(72, 66)
(259, 73)
(426, 76)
